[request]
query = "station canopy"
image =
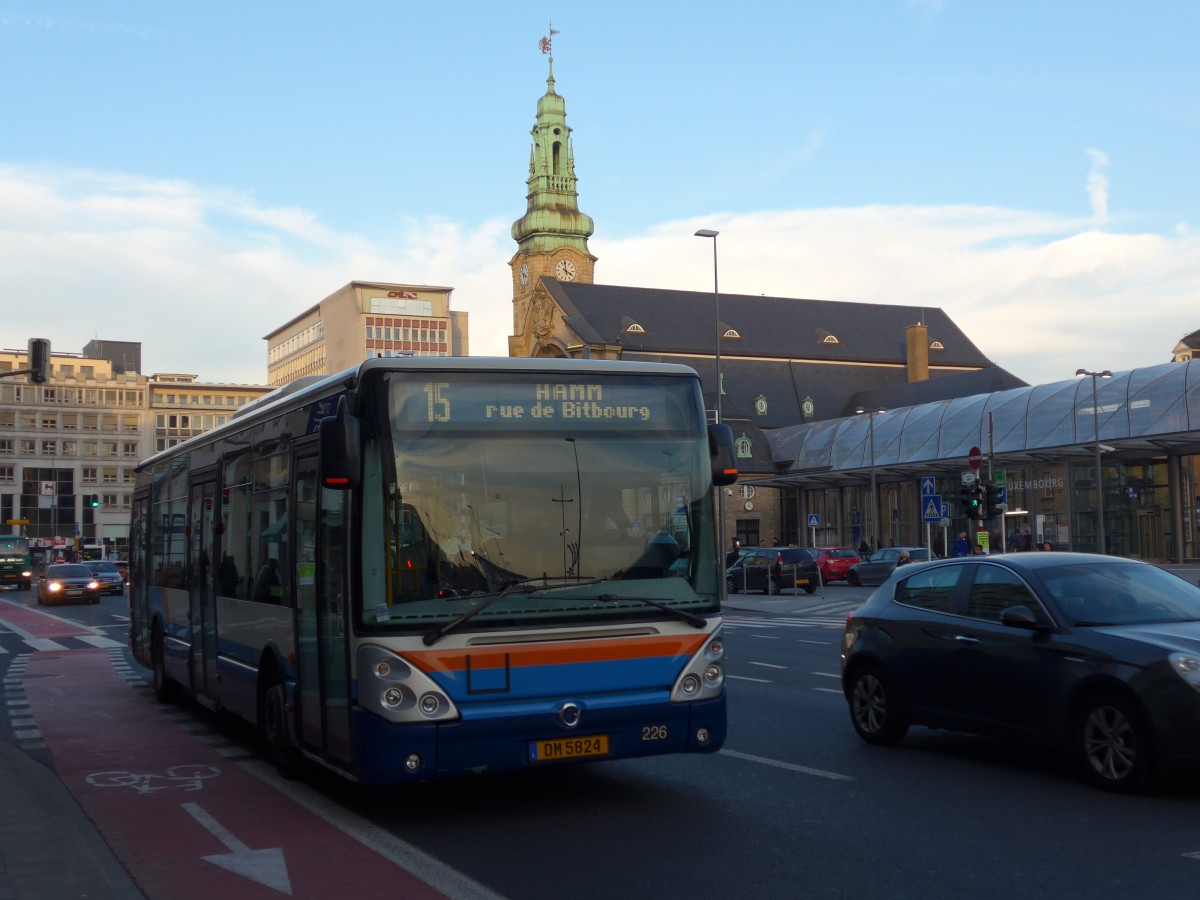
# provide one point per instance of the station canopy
(1143, 413)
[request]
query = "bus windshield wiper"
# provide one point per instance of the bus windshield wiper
(517, 587)
(691, 618)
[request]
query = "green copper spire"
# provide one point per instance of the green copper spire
(552, 218)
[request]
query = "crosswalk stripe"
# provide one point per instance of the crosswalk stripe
(43, 644)
(97, 640)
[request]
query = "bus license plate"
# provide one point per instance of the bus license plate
(568, 748)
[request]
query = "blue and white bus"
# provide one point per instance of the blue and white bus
(426, 567)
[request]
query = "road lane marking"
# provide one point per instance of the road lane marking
(266, 866)
(766, 665)
(828, 690)
(791, 767)
(746, 678)
(429, 869)
(827, 674)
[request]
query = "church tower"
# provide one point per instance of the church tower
(552, 235)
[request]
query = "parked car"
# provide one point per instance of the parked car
(68, 582)
(110, 578)
(772, 569)
(834, 562)
(878, 567)
(123, 568)
(1094, 654)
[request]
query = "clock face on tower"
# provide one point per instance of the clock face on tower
(524, 273)
(564, 270)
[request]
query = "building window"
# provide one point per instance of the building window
(8, 473)
(129, 448)
(88, 475)
(49, 448)
(6, 447)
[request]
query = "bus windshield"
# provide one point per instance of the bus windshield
(586, 499)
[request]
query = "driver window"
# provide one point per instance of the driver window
(995, 590)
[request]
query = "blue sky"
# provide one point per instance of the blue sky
(193, 175)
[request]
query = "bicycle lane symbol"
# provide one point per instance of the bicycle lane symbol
(186, 777)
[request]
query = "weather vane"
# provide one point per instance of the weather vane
(547, 42)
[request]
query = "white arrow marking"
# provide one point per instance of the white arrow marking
(264, 866)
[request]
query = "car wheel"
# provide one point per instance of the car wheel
(852, 578)
(874, 707)
(810, 588)
(730, 587)
(772, 586)
(1113, 743)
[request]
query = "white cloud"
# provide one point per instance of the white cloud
(199, 276)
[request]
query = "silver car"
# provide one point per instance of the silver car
(111, 581)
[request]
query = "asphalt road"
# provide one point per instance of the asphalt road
(795, 805)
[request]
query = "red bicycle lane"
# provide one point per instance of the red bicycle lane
(183, 820)
(34, 623)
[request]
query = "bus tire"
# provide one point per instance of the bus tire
(165, 690)
(272, 724)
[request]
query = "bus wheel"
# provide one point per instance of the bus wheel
(272, 722)
(164, 688)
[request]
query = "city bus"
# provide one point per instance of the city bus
(426, 567)
(16, 566)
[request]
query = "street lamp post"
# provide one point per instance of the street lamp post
(1084, 373)
(709, 233)
(874, 494)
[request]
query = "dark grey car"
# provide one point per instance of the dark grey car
(877, 567)
(772, 569)
(1094, 654)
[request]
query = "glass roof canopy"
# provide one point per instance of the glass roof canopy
(1142, 413)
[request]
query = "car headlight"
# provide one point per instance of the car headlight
(1187, 667)
(53, 586)
(93, 585)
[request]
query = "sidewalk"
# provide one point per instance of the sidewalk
(49, 850)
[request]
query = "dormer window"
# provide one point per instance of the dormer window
(936, 345)
(731, 334)
(830, 339)
(631, 326)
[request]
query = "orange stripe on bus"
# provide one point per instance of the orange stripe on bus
(556, 654)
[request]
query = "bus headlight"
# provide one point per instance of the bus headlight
(703, 678)
(398, 692)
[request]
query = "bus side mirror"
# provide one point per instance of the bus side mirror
(720, 451)
(341, 449)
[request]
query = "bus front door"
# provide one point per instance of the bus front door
(320, 578)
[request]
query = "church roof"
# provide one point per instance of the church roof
(671, 321)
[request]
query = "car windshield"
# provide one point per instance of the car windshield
(842, 553)
(1121, 594)
(70, 571)
(101, 566)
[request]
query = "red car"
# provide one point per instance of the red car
(834, 562)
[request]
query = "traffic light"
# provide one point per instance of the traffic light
(39, 360)
(994, 500)
(972, 501)
(95, 501)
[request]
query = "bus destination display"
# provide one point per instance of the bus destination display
(596, 404)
